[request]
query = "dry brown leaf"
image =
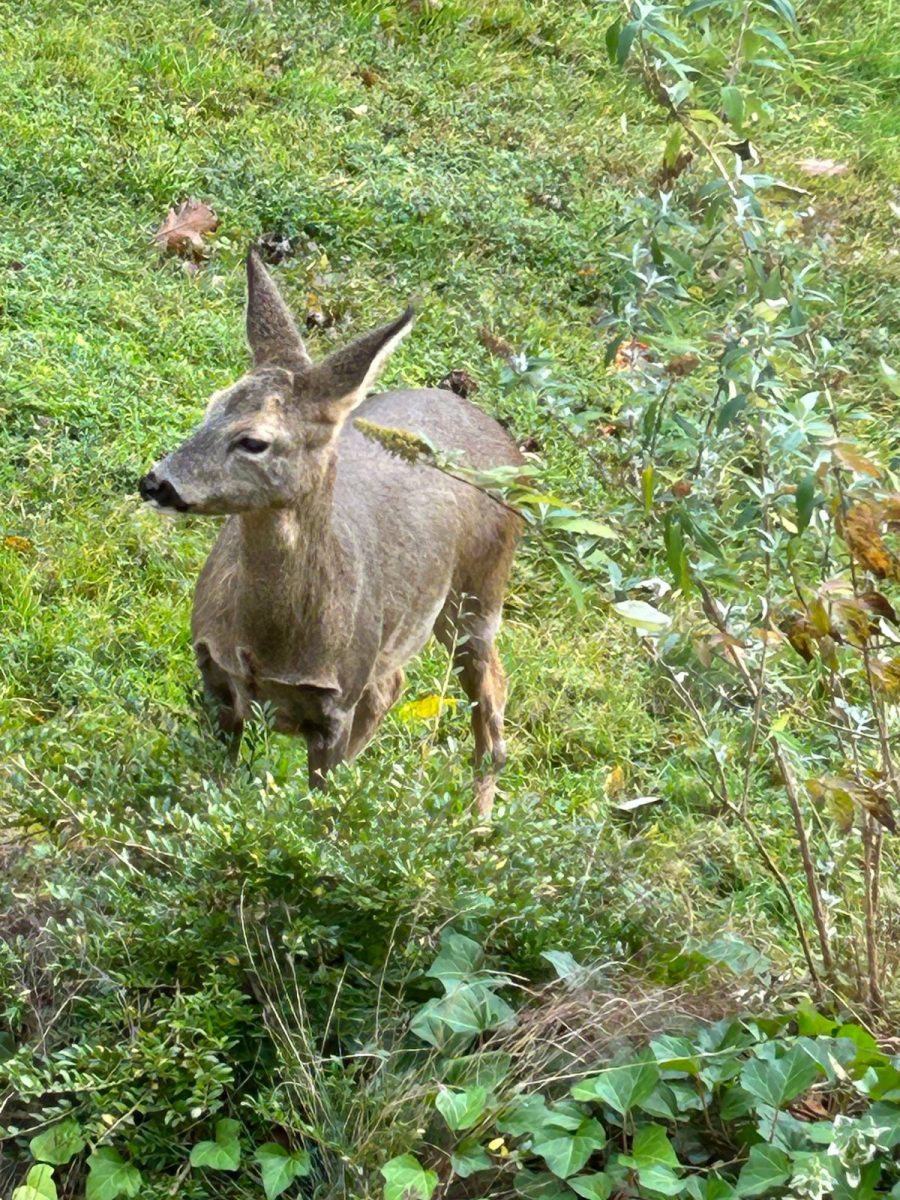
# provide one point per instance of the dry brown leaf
(860, 530)
(630, 353)
(682, 488)
(886, 674)
(369, 77)
(460, 382)
(183, 229)
(495, 344)
(21, 545)
(802, 636)
(878, 604)
(848, 456)
(681, 365)
(823, 166)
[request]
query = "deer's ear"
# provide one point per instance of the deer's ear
(273, 336)
(342, 379)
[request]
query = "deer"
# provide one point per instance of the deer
(338, 560)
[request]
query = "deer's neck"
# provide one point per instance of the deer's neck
(290, 567)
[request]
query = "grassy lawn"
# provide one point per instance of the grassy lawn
(482, 156)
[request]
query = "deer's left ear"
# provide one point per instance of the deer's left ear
(271, 331)
(341, 380)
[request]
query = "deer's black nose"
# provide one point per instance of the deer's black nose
(161, 492)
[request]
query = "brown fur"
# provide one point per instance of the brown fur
(338, 561)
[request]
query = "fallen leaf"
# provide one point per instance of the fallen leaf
(460, 382)
(21, 545)
(630, 353)
(682, 488)
(358, 110)
(614, 781)
(823, 166)
(369, 77)
(681, 365)
(183, 229)
(494, 344)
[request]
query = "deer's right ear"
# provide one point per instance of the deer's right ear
(342, 379)
(273, 336)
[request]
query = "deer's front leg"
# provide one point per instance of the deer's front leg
(325, 749)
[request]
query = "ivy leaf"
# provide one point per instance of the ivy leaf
(676, 1054)
(38, 1185)
(224, 1154)
(567, 1154)
(451, 1022)
(592, 1187)
(458, 960)
(776, 1081)
(468, 1157)
(406, 1179)
(651, 1148)
(461, 1109)
(280, 1167)
(766, 1168)
(59, 1143)
(541, 1186)
(109, 1176)
(622, 1087)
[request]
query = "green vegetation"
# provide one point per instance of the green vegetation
(215, 984)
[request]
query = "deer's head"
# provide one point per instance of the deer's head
(265, 442)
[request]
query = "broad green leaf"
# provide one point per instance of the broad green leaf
(406, 1179)
(804, 499)
(622, 1087)
(592, 1187)
(224, 1154)
(583, 525)
(484, 1068)
(468, 1157)
(776, 1081)
(733, 105)
(642, 615)
(59, 1143)
(38, 1184)
(566, 1154)
(565, 965)
(540, 1185)
(675, 1054)
(623, 45)
(280, 1167)
(109, 1176)
(662, 1181)
(458, 960)
(452, 1022)
(612, 40)
(651, 1148)
(766, 1168)
(461, 1109)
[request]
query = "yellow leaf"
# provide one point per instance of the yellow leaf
(21, 545)
(497, 1144)
(425, 708)
(615, 781)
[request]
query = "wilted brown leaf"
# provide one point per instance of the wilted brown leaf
(855, 621)
(21, 545)
(802, 636)
(848, 456)
(681, 365)
(890, 509)
(822, 166)
(183, 229)
(460, 382)
(682, 488)
(369, 77)
(886, 674)
(860, 530)
(494, 344)
(669, 171)
(878, 604)
(839, 794)
(630, 353)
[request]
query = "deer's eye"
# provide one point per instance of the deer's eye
(251, 445)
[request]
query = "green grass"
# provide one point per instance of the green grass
(493, 165)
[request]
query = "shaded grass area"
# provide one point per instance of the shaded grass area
(482, 155)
